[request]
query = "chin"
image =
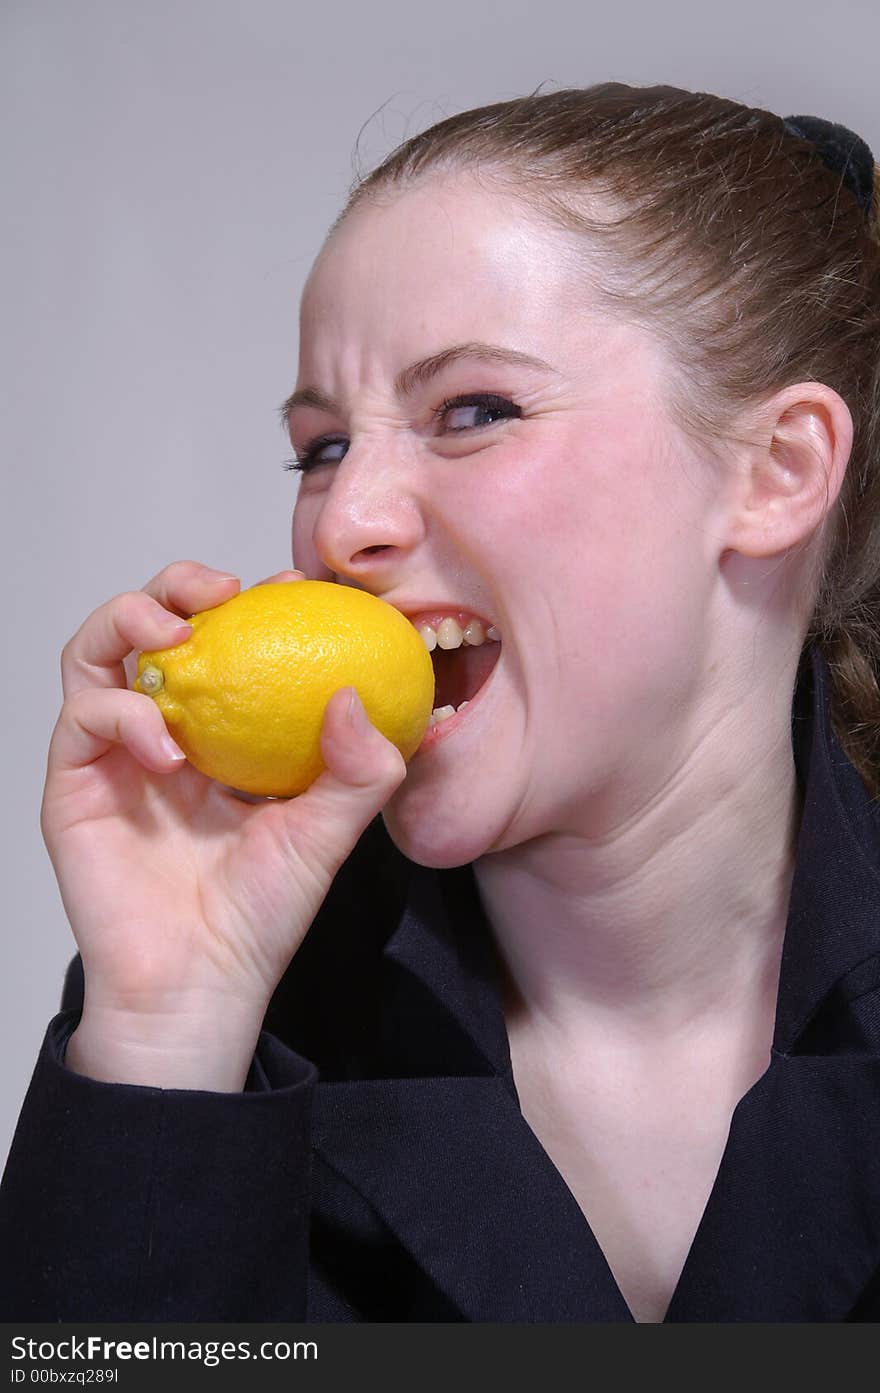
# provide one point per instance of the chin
(431, 836)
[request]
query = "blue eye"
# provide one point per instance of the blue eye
(481, 403)
(484, 403)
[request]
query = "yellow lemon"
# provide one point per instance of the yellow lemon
(244, 695)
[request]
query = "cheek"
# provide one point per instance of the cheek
(603, 550)
(302, 530)
(617, 512)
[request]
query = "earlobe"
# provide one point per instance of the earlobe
(791, 480)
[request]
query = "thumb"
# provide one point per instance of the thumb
(363, 769)
(356, 754)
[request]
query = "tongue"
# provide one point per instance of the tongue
(460, 672)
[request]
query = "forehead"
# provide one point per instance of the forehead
(443, 258)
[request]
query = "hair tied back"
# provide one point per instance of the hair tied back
(844, 152)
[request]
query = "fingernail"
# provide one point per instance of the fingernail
(175, 625)
(171, 748)
(215, 577)
(357, 715)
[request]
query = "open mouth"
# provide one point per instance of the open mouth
(464, 650)
(459, 673)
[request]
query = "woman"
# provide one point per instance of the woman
(581, 1028)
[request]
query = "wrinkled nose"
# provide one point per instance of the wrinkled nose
(365, 523)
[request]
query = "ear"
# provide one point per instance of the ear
(792, 471)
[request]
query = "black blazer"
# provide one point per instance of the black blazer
(377, 1166)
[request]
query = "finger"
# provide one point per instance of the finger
(187, 587)
(96, 719)
(94, 656)
(140, 620)
(282, 576)
(363, 770)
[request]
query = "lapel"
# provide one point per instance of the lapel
(448, 1161)
(833, 922)
(792, 1227)
(791, 1231)
(455, 1172)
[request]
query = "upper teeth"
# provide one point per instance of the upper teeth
(450, 634)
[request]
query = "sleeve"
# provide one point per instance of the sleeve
(126, 1203)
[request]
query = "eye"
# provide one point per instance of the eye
(310, 457)
(460, 409)
(463, 409)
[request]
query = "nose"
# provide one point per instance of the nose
(369, 519)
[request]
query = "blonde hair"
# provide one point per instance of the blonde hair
(731, 239)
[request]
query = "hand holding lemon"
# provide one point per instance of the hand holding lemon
(187, 903)
(244, 696)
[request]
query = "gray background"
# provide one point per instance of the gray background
(169, 170)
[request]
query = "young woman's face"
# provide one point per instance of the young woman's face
(552, 497)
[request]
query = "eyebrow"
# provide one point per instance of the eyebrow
(418, 374)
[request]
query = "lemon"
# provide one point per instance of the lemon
(244, 695)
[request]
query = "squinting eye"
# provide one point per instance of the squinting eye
(477, 403)
(310, 457)
(480, 404)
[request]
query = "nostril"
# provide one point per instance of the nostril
(371, 551)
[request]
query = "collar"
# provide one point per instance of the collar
(832, 936)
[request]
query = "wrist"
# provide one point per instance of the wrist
(180, 1049)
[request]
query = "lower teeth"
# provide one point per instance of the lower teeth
(442, 713)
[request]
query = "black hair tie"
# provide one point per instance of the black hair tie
(842, 151)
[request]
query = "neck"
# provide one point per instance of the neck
(672, 920)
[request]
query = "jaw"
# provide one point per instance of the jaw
(459, 797)
(431, 833)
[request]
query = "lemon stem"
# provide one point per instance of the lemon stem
(151, 679)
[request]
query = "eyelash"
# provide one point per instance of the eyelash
(305, 460)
